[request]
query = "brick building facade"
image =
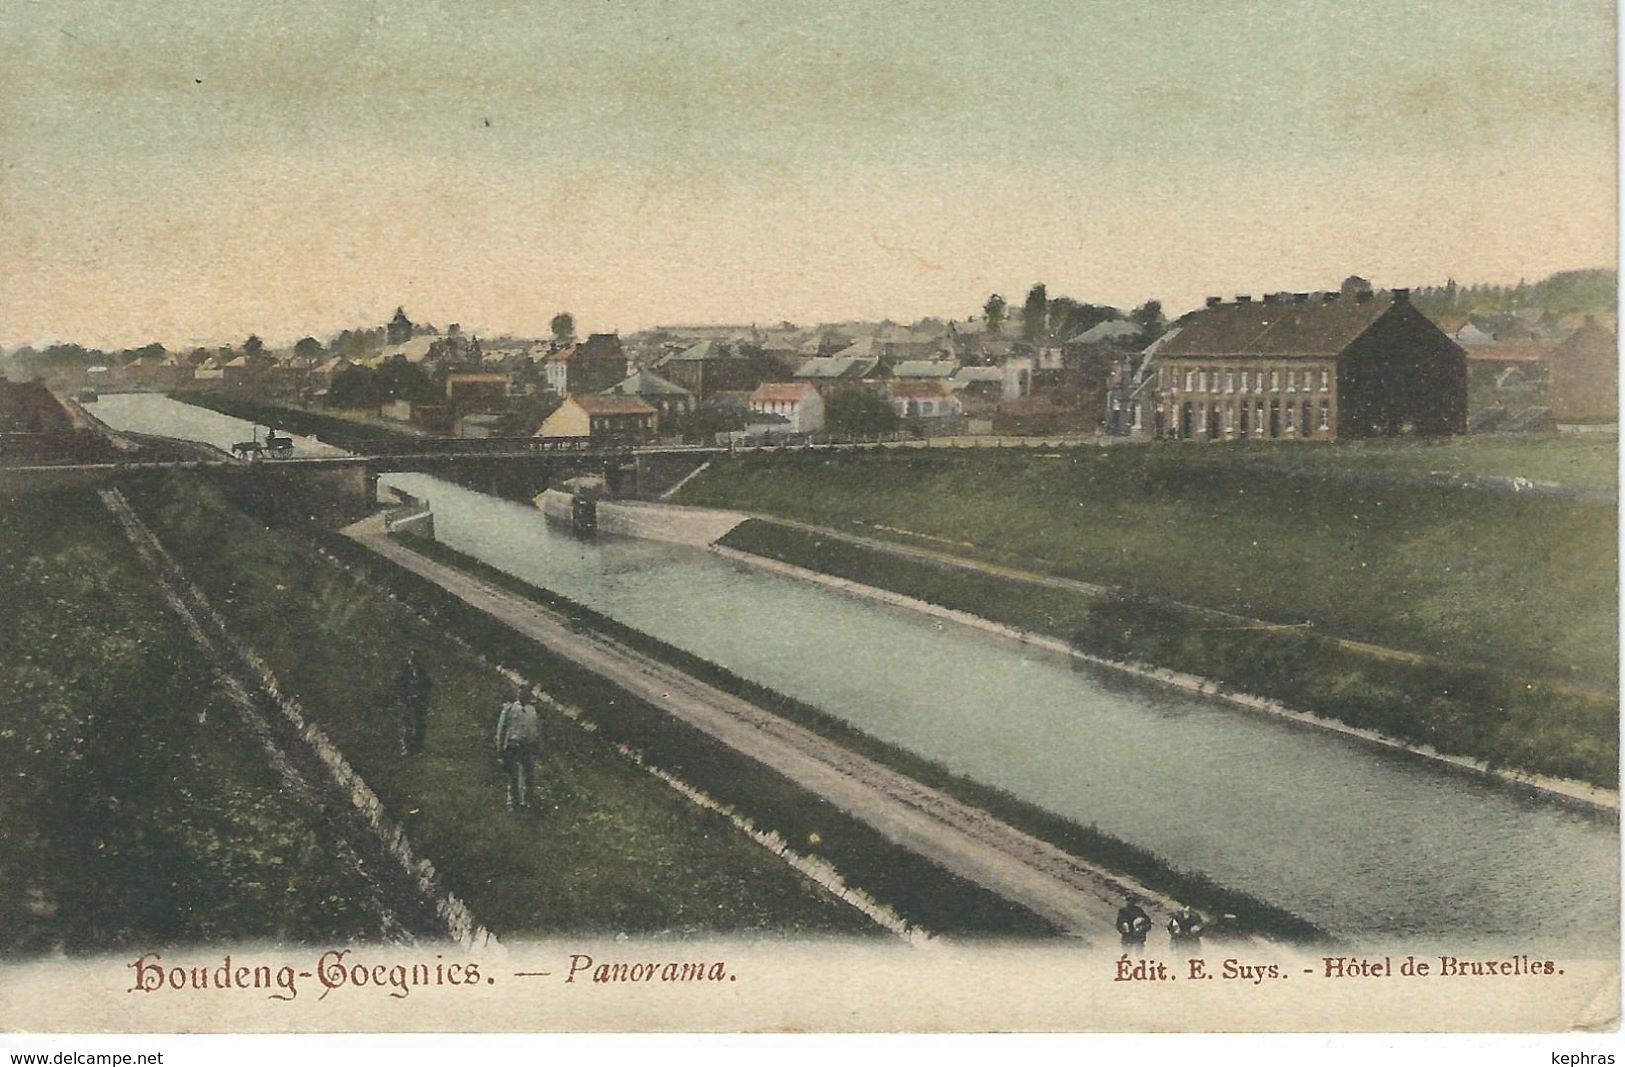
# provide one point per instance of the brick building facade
(1300, 366)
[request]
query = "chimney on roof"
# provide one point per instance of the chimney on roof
(1299, 298)
(1272, 298)
(1363, 295)
(1402, 296)
(1243, 298)
(1214, 301)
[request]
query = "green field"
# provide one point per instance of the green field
(613, 850)
(1520, 582)
(1588, 461)
(134, 811)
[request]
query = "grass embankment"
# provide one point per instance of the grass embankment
(331, 429)
(613, 849)
(134, 810)
(1459, 710)
(1085, 842)
(1523, 583)
(1584, 462)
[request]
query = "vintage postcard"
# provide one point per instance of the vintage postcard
(722, 516)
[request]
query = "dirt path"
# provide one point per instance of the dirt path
(1081, 898)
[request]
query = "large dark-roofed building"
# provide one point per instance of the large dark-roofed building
(1305, 367)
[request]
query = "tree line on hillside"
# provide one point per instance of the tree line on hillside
(1042, 317)
(1568, 292)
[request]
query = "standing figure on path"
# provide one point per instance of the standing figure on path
(412, 689)
(1186, 928)
(519, 742)
(1133, 923)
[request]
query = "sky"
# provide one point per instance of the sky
(191, 171)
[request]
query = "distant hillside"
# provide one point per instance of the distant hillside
(1568, 292)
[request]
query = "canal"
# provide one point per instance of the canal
(160, 416)
(1370, 844)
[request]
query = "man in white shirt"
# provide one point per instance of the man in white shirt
(519, 743)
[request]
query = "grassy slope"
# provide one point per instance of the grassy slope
(1083, 841)
(614, 850)
(1590, 462)
(1525, 582)
(124, 818)
(1482, 713)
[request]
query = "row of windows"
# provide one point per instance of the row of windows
(1200, 381)
(1256, 418)
(1251, 418)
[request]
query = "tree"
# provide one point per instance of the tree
(399, 330)
(1149, 318)
(307, 348)
(149, 351)
(355, 387)
(860, 412)
(253, 348)
(400, 380)
(993, 312)
(563, 327)
(358, 344)
(708, 420)
(526, 414)
(1035, 313)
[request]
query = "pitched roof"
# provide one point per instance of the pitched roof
(700, 351)
(836, 367)
(1312, 327)
(862, 348)
(966, 375)
(783, 391)
(1591, 338)
(1110, 330)
(600, 346)
(414, 350)
(599, 404)
(1512, 352)
(925, 368)
(646, 383)
(1471, 334)
(917, 390)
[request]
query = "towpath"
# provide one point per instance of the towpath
(1079, 897)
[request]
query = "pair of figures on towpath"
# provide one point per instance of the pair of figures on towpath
(1185, 928)
(519, 728)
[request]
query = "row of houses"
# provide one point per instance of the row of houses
(1354, 362)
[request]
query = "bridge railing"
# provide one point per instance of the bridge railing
(477, 446)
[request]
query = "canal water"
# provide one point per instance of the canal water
(160, 416)
(1371, 845)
